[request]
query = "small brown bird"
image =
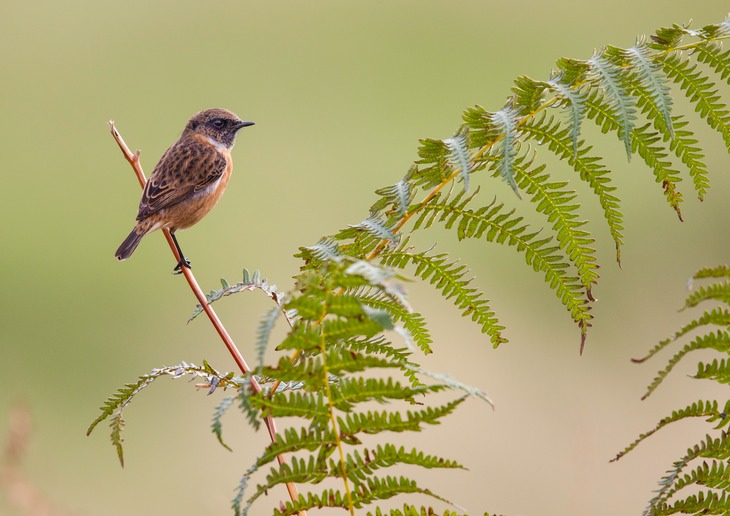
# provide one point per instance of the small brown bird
(188, 180)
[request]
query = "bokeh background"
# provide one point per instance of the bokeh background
(340, 93)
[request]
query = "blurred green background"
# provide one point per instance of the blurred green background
(340, 93)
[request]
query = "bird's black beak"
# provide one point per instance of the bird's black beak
(241, 124)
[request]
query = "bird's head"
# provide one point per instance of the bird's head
(220, 125)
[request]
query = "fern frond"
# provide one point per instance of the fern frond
(413, 322)
(685, 148)
(495, 225)
(291, 441)
(399, 196)
(556, 203)
(412, 510)
(574, 99)
(376, 488)
(360, 467)
(620, 104)
(377, 228)
(709, 448)
(721, 271)
(216, 425)
(114, 406)
(293, 404)
(589, 168)
(645, 143)
(717, 371)
(376, 422)
(710, 53)
(652, 79)
(460, 158)
(708, 409)
(715, 292)
(448, 277)
(263, 332)
(700, 90)
(296, 471)
(450, 382)
(505, 122)
(718, 316)
(349, 392)
(249, 283)
(326, 249)
(719, 341)
(529, 95)
(704, 502)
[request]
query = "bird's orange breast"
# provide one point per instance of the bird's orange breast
(190, 211)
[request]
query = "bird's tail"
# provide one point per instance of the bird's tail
(130, 244)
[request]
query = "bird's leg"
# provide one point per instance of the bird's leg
(184, 262)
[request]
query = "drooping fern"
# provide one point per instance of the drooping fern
(625, 91)
(353, 333)
(342, 311)
(705, 465)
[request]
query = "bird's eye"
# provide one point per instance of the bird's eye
(218, 123)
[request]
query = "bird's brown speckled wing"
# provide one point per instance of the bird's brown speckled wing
(186, 168)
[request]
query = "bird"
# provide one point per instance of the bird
(189, 179)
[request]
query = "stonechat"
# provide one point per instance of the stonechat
(188, 180)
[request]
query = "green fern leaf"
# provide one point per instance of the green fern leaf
(380, 346)
(448, 277)
(554, 201)
(681, 142)
(349, 392)
(376, 488)
(505, 121)
(291, 441)
(705, 502)
(700, 90)
(376, 228)
(327, 498)
(399, 196)
(717, 371)
(529, 95)
(217, 426)
(574, 99)
(620, 104)
(460, 158)
(413, 322)
(645, 143)
(293, 404)
(714, 475)
(717, 316)
(709, 448)
(412, 510)
(716, 291)
(360, 467)
(710, 53)
(496, 225)
(376, 422)
(652, 79)
(721, 271)
(708, 409)
(719, 341)
(685, 147)
(589, 169)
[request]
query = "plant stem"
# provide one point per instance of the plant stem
(133, 159)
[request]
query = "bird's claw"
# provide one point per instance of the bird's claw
(184, 262)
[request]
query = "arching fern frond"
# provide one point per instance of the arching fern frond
(700, 90)
(589, 168)
(448, 277)
(712, 475)
(618, 102)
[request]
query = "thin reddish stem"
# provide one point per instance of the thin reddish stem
(133, 159)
